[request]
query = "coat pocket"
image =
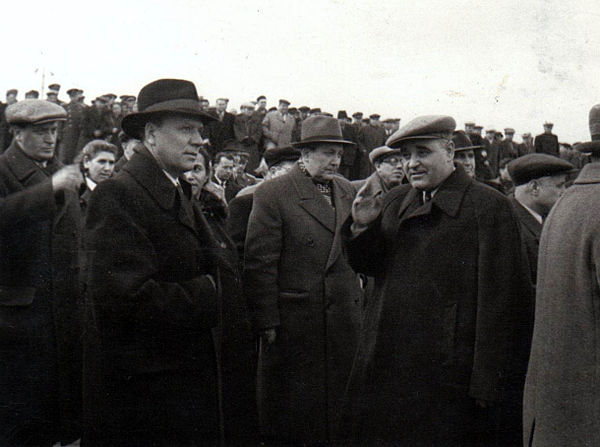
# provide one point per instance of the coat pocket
(14, 296)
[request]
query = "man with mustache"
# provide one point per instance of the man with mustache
(438, 338)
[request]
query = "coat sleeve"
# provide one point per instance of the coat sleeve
(261, 260)
(266, 127)
(239, 128)
(503, 293)
(121, 268)
(366, 251)
(29, 205)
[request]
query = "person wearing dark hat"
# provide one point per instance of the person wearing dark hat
(437, 341)
(5, 132)
(279, 161)
(560, 403)
(304, 110)
(464, 152)
(278, 126)
(507, 147)
(526, 146)
(97, 123)
(547, 142)
(54, 88)
(32, 94)
(52, 96)
(305, 300)
(314, 111)
(371, 136)
(40, 383)
(247, 128)
(72, 127)
(150, 371)
(350, 152)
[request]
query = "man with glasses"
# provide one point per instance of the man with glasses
(388, 169)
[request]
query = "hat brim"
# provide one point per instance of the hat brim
(397, 144)
(134, 123)
(467, 148)
(305, 143)
(588, 147)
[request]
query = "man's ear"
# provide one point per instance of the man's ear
(450, 149)
(150, 133)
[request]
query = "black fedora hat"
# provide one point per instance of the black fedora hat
(321, 129)
(462, 142)
(164, 96)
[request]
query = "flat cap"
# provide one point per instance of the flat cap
(34, 111)
(33, 93)
(470, 124)
(315, 110)
(110, 95)
(509, 130)
(477, 127)
(261, 97)
(74, 91)
(382, 151)
(357, 115)
(375, 116)
(532, 166)
(284, 101)
(12, 91)
(279, 154)
(247, 105)
(423, 127)
(304, 109)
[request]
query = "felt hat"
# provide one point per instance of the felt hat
(321, 129)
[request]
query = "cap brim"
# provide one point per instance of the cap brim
(134, 123)
(468, 148)
(398, 143)
(300, 144)
(588, 147)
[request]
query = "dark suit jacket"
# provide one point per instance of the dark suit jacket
(546, 144)
(149, 368)
(39, 320)
(531, 230)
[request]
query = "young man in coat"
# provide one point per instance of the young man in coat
(150, 373)
(446, 253)
(305, 299)
(278, 126)
(560, 405)
(40, 371)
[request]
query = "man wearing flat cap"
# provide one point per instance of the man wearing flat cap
(304, 298)
(388, 169)
(247, 128)
(547, 142)
(40, 382)
(438, 337)
(150, 372)
(278, 126)
(560, 405)
(72, 127)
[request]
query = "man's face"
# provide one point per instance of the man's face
(225, 168)
(262, 104)
(100, 167)
(221, 105)
(390, 169)
(548, 129)
(247, 111)
(283, 107)
(11, 99)
(38, 141)
(550, 190)
(204, 104)
(323, 161)
(467, 160)
(427, 163)
(100, 105)
(468, 129)
(175, 141)
(509, 136)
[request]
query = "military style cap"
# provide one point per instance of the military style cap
(462, 142)
(110, 95)
(33, 93)
(74, 91)
(422, 128)
(382, 151)
(526, 135)
(375, 116)
(509, 130)
(279, 154)
(55, 87)
(357, 115)
(261, 97)
(593, 146)
(34, 111)
(51, 93)
(532, 166)
(321, 129)
(292, 110)
(315, 110)
(470, 124)
(284, 101)
(12, 91)
(342, 114)
(548, 124)
(479, 128)
(304, 109)
(490, 130)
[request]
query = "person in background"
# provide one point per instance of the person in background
(388, 170)
(248, 132)
(464, 152)
(5, 132)
(97, 162)
(547, 142)
(526, 147)
(278, 126)
(130, 145)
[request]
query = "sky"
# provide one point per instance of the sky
(516, 63)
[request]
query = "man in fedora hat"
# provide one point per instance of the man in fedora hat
(40, 382)
(560, 405)
(150, 370)
(446, 252)
(304, 298)
(547, 142)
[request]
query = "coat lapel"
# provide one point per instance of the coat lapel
(528, 221)
(343, 205)
(311, 200)
(24, 168)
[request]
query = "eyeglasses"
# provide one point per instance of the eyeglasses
(395, 161)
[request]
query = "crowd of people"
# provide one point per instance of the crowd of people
(177, 274)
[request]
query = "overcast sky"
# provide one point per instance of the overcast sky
(514, 63)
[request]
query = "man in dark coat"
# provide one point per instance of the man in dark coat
(561, 401)
(547, 142)
(350, 155)
(446, 256)
(220, 130)
(304, 297)
(39, 321)
(5, 132)
(72, 128)
(150, 373)
(371, 136)
(96, 122)
(248, 132)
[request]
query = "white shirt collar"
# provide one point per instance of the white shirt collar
(172, 179)
(90, 183)
(535, 215)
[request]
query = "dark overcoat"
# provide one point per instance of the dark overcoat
(441, 332)
(546, 143)
(248, 132)
(297, 280)
(150, 375)
(561, 401)
(39, 320)
(531, 230)
(71, 130)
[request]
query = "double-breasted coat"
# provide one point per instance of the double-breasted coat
(440, 333)
(40, 366)
(150, 375)
(297, 280)
(561, 401)
(277, 129)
